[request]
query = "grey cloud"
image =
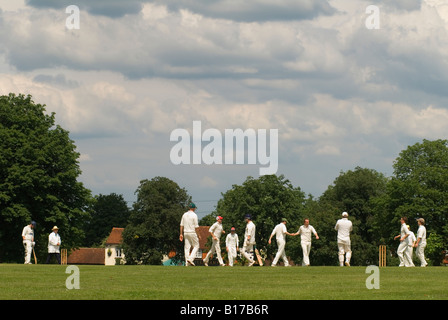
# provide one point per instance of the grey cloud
(109, 8)
(408, 5)
(255, 10)
(56, 80)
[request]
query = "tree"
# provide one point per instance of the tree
(267, 199)
(108, 211)
(356, 192)
(419, 188)
(153, 229)
(38, 178)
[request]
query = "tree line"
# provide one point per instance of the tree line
(39, 171)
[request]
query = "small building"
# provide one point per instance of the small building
(114, 252)
(110, 255)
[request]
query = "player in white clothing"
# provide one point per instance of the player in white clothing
(344, 227)
(249, 240)
(188, 231)
(28, 240)
(280, 235)
(402, 251)
(305, 240)
(215, 230)
(411, 243)
(421, 242)
(232, 246)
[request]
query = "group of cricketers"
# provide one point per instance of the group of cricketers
(343, 226)
(408, 241)
(189, 223)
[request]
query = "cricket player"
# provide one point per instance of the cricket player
(28, 240)
(280, 233)
(402, 251)
(54, 243)
(215, 230)
(305, 240)
(232, 246)
(344, 227)
(420, 244)
(411, 243)
(188, 226)
(249, 240)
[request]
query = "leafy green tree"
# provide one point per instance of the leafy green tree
(38, 178)
(419, 188)
(153, 229)
(355, 192)
(267, 199)
(108, 211)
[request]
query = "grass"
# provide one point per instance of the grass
(47, 282)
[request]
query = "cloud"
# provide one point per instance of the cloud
(109, 8)
(339, 94)
(255, 10)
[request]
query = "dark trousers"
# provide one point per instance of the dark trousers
(57, 255)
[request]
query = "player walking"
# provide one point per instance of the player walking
(280, 233)
(215, 230)
(249, 240)
(232, 245)
(421, 242)
(188, 226)
(402, 248)
(344, 227)
(411, 244)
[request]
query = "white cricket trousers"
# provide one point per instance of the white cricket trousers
(215, 248)
(344, 249)
(421, 254)
(28, 245)
(247, 250)
(403, 254)
(306, 248)
(281, 253)
(410, 251)
(232, 255)
(191, 240)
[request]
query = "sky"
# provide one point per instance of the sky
(340, 93)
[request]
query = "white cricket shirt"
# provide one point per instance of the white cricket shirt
(344, 227)
(189, 222)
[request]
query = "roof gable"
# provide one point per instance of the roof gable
(115, 236)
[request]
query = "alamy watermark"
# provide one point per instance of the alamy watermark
(373, 281)
(227, 148)
(72, 281)
(373, 20)
(73, 20)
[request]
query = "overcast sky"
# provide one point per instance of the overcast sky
(341, 95)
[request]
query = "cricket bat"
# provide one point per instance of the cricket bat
(35, 259)
(260, 262)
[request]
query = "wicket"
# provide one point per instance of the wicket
(63, 256)
(382, 256)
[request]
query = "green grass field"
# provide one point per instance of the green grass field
(36, 282)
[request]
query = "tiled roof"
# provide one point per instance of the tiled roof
(115, 236)
(87, 256)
